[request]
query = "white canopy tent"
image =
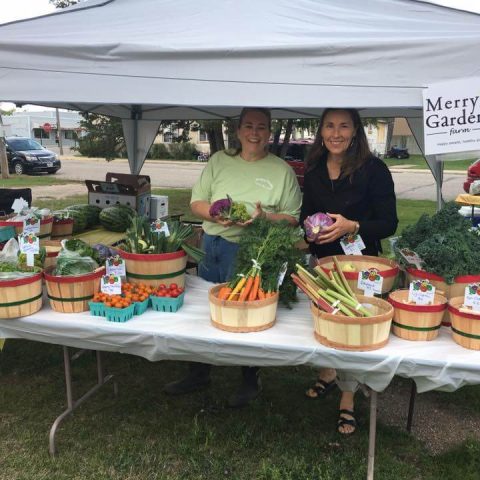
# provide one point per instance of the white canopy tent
(152, 60)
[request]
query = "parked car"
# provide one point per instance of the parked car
(397, 152)
(473, 173)
(25, 155)
(295, 156)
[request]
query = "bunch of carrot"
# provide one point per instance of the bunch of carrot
(330, 291)
(246, 288)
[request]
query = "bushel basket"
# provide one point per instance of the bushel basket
(71, 293)
(20, 297)
(465, 326)
(354, 333)
(242, 317)
(155, 268)
(45, 228)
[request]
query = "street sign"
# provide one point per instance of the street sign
(47, 128)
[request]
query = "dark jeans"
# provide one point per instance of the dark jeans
(219, 261)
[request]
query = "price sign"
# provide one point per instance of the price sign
(472, 296)
(115, 266)
(352, 244)
(29, 244)
(421, 292)
(31, 224)
(411, 257)
(160, 227)
(370, 281)
(111, 285)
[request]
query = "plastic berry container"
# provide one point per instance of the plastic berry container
(141, 307)
(167, 304)
(119, 315)
(97, 309)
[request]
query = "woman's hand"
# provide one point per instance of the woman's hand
(342, 226)
(257, 213)
(225, 222)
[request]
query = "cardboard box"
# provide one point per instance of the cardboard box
(158, 206)
(121, 189)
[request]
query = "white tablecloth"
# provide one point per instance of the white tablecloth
(189, 335)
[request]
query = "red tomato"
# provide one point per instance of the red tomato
(161, 293)
(180, 289)
(174, 293)
(162, 286)
(173, 286)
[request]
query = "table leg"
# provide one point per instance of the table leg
(372, 434)
(71, 403)
(411, 406)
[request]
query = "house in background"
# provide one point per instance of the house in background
(403, 137)
(42, 126)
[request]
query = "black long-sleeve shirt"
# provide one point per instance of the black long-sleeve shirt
(367, 196)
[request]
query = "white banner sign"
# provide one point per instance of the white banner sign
(451, 116)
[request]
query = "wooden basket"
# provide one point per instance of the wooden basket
(416, 322)
(387, 269)
(465, 326)
(53, 248)
(45, 228)
(242, 317)
(156, 268)
(20, 297)
(71, 293)
(456, 289)
(354, 333)
(62, 228)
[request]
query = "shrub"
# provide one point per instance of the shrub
(183, 151)
(159, 151)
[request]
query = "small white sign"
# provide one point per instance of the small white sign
(29, 243)
(451, 113)
(111, 285)
(19, 204)
(31, 224)
(421, 292)
(160, 227)
(115, 266)
(370, 281)
(352, 244)
(411, 257)
(472, 296)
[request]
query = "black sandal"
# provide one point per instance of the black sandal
(320, 389)
(342, 421)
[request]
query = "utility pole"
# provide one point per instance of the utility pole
(59, 132)
(3, 151)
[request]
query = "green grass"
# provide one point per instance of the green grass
(144, 434)
(418, 161)
(26, 181)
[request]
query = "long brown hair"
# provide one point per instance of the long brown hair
(264, 111)
(357, 153)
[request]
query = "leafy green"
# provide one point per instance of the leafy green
(272, 244)
(445, 243)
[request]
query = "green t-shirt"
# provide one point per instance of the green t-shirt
(270, 181)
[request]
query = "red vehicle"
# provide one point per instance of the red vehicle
(473, 173)
(295, 156)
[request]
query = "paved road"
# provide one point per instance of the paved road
(409, 184)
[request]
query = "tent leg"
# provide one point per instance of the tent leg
(372, 434)
(411, 406)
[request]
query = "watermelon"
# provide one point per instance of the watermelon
(91, 212)
(79, 220)
(116, 218)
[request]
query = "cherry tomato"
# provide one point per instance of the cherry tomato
(173, 286)
(162, 286)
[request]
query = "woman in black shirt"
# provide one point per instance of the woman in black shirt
(347, 182)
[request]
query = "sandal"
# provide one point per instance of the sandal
(320, 389)
(342, 421)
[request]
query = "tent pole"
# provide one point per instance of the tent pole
(136, 115)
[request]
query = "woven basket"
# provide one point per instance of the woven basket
(45, 228)
(242, 317)
(53, 248)
(354, 333)
(20, 297)
(387, 269)
(416, 322)
(71, 293)
(156, 268)
(62, 228)
(465, 326)
(456, 289)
